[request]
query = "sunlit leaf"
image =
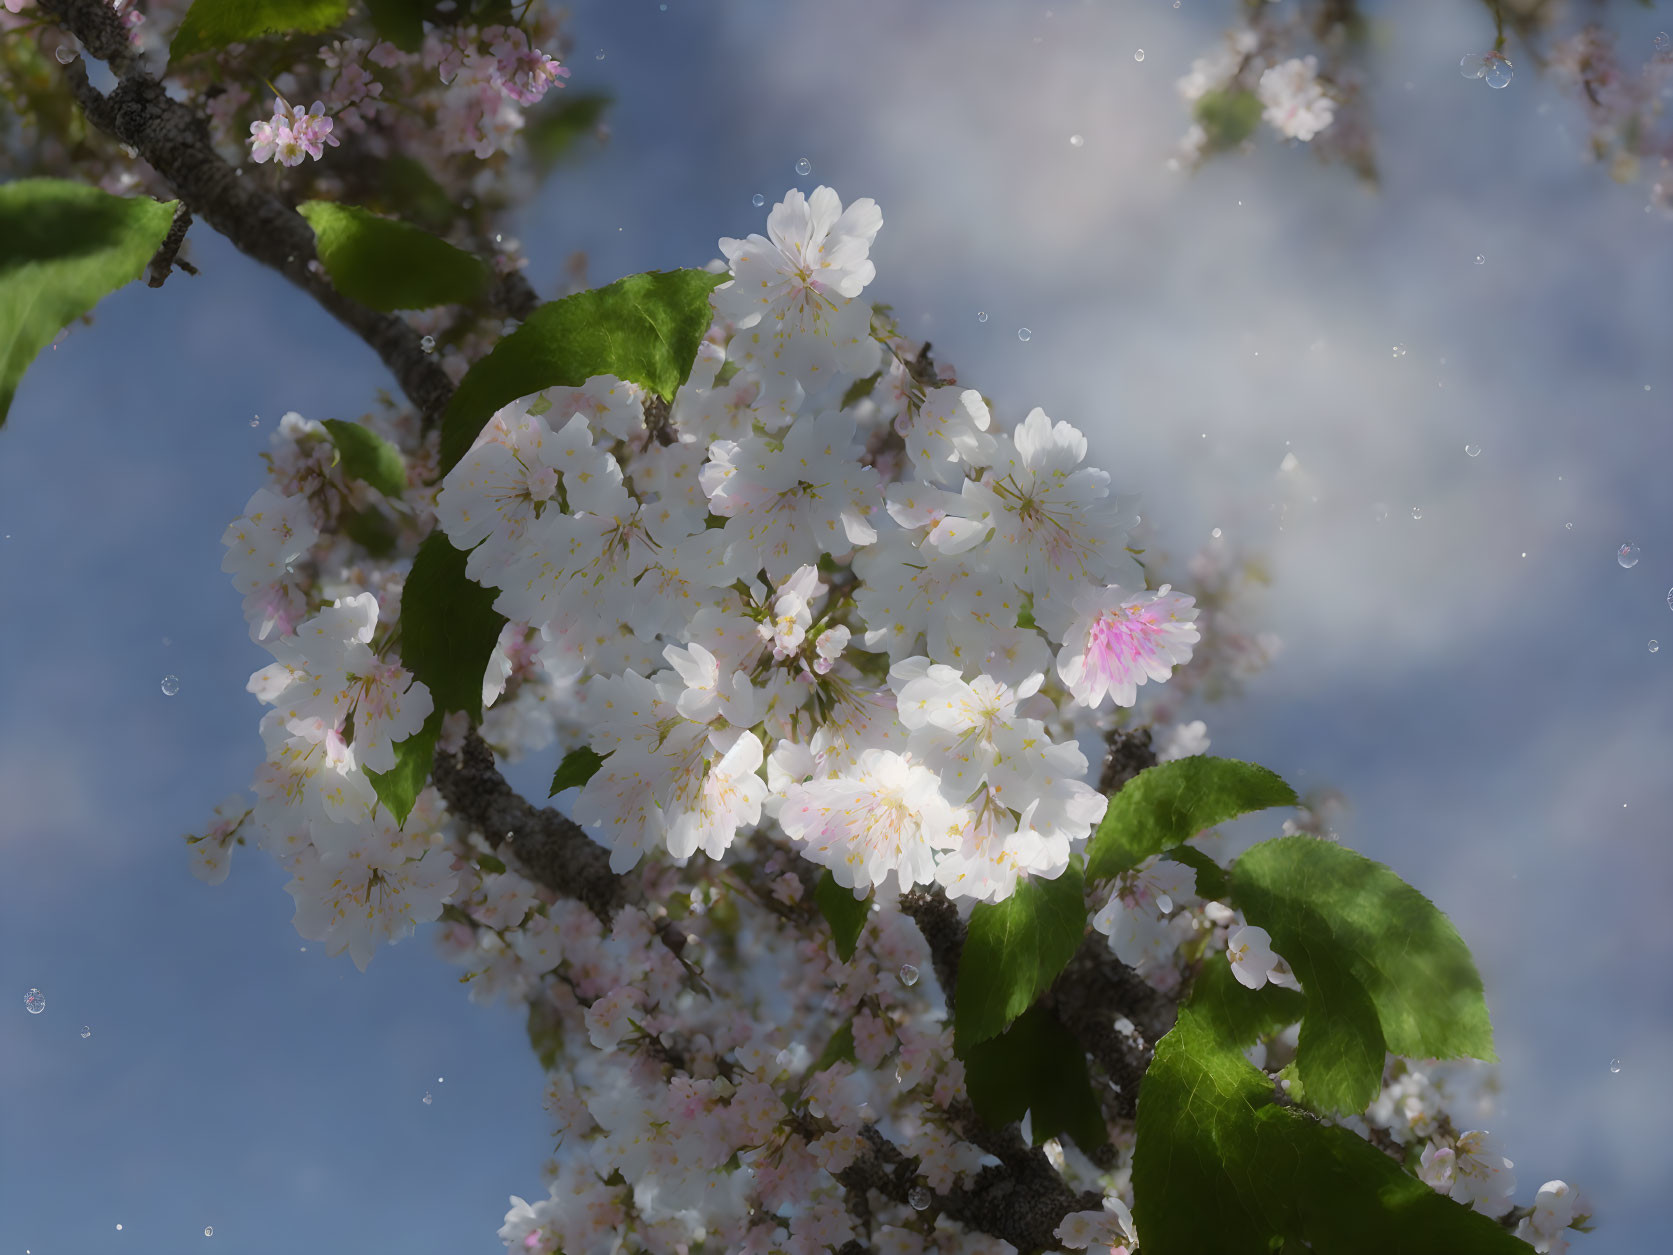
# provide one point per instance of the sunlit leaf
(644, 329)
(388, 264)
(1166, 804)
(1013, 950)
(1383, 969)
(217, 23)
(64, 247)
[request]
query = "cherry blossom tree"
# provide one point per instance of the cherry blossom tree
(876, 914)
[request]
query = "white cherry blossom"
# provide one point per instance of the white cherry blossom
(1296, 104)
(786, 503)
(1056, 531)
(1249, 950)
(1481, 1175)
(884, 818)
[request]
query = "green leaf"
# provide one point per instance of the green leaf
(399, 787)
(401, 22)
(217, 23)
(554, 134)
(372, 530)
(1036, 1065)
(845, 913)
(63, 247)
(403, 185)
(644, 328)
(840, 1047)
(368, 457)
(448, 627)
(860, 388)
(1164, 805)
(1220, 1166)
(1381, 966)
(388, 264)
(1013, 950)
(1213, 885)
(1227, 117)
(488, 863)
(545, 1029)
(578, 766)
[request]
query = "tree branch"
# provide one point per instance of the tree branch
(938, 920)
(1020, 1200)
(550, 847)
(168, 252)
(174, 140)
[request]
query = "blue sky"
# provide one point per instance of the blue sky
(1497, 722)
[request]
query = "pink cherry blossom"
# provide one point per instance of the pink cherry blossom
(1118, 640)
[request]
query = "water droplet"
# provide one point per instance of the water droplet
(1024, 334)
(256, 421)
(599, 55)
(427, 1098)
(440, 1079)
(1499, 74)
(1627, 555)
(1176, 3)
(64, 53)
(171, 685)
(1399, 350)
(86, 1032)
(908, 974)
(208, 1230)
(1417, 511)
(1076, 141)
(919, 1197)
(1670, 599)
(119, 1228)
(1139, 55)
(1663, 42)
(804, 167)
(1215, 533)
(428, 344)
(1480, 260)
(1614, 1065)
(1569, 526)
(1472, 450)
(758, 200)
(1654, 646)
(34, 1002)
(1473, 65)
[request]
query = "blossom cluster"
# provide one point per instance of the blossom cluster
(291, 134)
(895, 672)
(464, 97)
(828, 613)
(1252, 75)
